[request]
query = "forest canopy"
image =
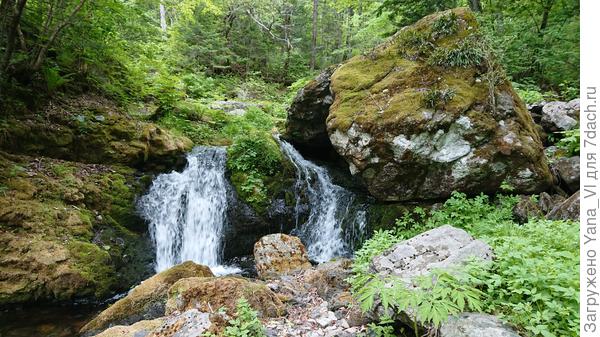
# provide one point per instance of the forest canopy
(160, 50)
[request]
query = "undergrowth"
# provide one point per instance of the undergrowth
(532, 282)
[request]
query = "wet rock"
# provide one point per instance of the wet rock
(209, 294)
(139, 329)
(406, 147)
(329, 279)
(147, 300)
(279, 254)
(560, 116)
(475, 325)
(567, 210)
(526, 209)
(444, 247)
(307, 114)
(567, 172)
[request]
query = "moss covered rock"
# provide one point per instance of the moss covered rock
(210, 294)
(67, 230)
(430, 112)
(147, 300)
(92, 129)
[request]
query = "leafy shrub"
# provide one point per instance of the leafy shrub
(569, 142)
(246, 323)
(253, 158)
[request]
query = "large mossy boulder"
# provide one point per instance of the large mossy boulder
(68, 230)
(147, 300)
(429, 112)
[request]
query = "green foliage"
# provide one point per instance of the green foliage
(444, 26)
(569, 142)
(253, 158)
(465, 53)
(434, 98)
(532, 282)
(405, 12)
(246, 323)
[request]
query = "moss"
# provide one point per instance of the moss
(94, 265)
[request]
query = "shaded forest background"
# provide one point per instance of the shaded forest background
(166, 51)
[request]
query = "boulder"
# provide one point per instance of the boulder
(567, 172)
(307, 113)
(279, 254)
(414, 123)
(329, 279)
(191, 323)
(475, 325)
(560, 116)
(141, 328)
(210, 294)
(567, 210)
(147, 300)
(445, 247)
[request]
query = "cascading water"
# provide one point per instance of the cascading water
(187, 211)
(330, 209)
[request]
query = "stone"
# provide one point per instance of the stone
(567, 210)
(526, 209)
(147, 300)
(567, 171)
(405, 147)
(560, 116)
(307, 113)
(210, 294)
(233, 108)
(191, 323)
(547, 202)
(276, 254)
(445, 248)
(475, 325)
(139, 329)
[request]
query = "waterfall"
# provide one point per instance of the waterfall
(332, 222)
(187, 211)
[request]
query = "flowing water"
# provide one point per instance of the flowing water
(334, 218)
(186, 211)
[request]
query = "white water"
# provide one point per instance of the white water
(330, 207)
(187, 211)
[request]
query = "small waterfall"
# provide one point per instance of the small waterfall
(187, 211)
(333, 223)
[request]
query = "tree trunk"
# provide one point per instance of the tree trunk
(348, 51)
(475, 5)
(163, 17)
(547, 7)
(313, 47)
(11, 25)
(40, 53)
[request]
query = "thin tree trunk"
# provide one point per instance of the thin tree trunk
(163, 17)
(40, 54)
(348, 51)
(11, 27)
(475, 5)
(313, 47)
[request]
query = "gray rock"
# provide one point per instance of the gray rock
(233, 108)
(567, 210)
(526, 209)
(567, 171)
(560, 116)
(547, 202)
(475, 325)
(191, 323)
(444, 247)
